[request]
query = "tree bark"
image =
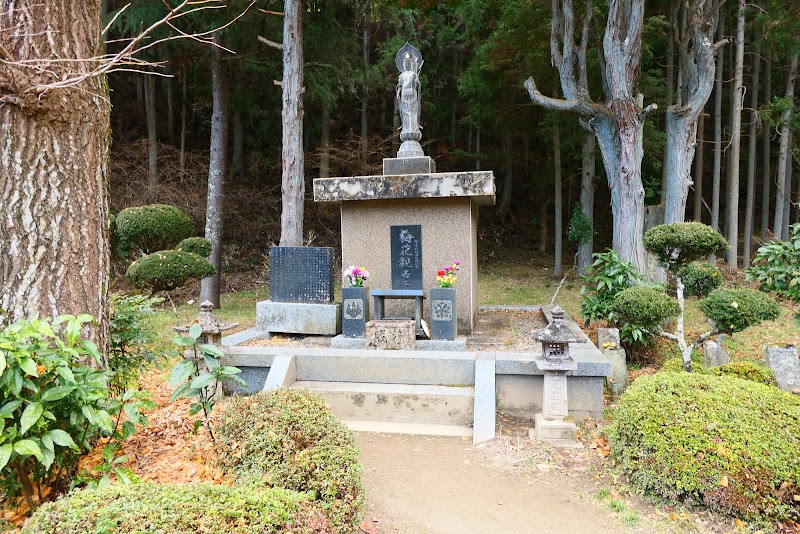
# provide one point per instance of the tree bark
(586, 248)
(152, 137)
(787, 201)
(783, 153)
(767, 152)
(747, 245)
(364, 89)
(293, 179)
(54, 229)
(325, 142)
(558, 229)
(217, 170)
(717, 174)
(699, 171)
(182, 157)
(238, 127)
(168, 94)
(732, 187)
(508, 177)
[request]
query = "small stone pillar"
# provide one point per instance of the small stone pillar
(784, 362)
(555, 362)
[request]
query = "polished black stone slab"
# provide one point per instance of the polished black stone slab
(301, 274)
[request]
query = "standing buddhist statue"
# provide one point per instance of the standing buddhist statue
(409, 62)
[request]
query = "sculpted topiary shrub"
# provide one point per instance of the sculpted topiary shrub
(196, 245)
(746, 370)
(677, 244)
(180, 509)
(291, 439)
(700, 278)
(733, 310)
(149, 228)
(641, 310)
(727, 443)
(166, 270)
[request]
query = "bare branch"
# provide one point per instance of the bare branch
(582, 107)
(273, 44)
(276, 13)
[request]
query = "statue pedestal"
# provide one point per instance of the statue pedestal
(410, 149)
(550, 425)
(403, 166)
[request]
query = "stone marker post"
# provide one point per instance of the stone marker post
(783, 361)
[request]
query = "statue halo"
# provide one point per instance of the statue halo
(410, 51)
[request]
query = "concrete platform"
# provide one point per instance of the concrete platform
(459, 344)
(299, 318)
(562, 434)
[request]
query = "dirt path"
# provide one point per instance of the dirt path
(417, 485)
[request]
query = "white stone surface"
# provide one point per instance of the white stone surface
(485, 399)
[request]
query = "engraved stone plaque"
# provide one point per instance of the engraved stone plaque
(442, 310)
(353, 309)
(301, 274)
(406, 246)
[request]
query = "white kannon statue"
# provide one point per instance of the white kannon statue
(409, 62)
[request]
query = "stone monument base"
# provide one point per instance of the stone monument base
(404, 166)
(299, 318)
(557, 433)
(391, 334)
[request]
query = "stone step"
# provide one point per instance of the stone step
(396, 403)
(417, 429)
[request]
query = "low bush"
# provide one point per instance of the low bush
(641, 310)
(733, 310)
(180, 509)
(700, 278)
(150, 228)
(196, 245)
(608, 275)
(133, 338)
(746, 370)
(291, 439)
(727, 443)
(166, 270)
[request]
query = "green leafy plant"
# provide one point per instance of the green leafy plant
(641, 311)
(733, 310)
(700, 278)
(719, 441)
(146, 229)
(677, 244)
(133, 339)
(580, 227)
(200, 376)
(776, 267)
(53, 406)
(746, 370)
(608, 275)
(291, 439)
(167, 270)
(196, 245)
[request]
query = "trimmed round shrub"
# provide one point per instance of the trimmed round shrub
(645, 305)
(166, 270)
(291, 439)
(746, 370)
(196, 245)
(700, 278)
(727, 443)
(150, 228)
(733, 310)
(677, 244)
(180, 509)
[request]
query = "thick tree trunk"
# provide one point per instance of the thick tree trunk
(732, 187)
(699, 171)
(152, 136)
(751, 165)
(783, 153)
(293, 179)
(54, 246)
(767, 152)
(586, 248)
(325, 143)
(559, 207)
(717, 173)
(217, 169)
(238, 127)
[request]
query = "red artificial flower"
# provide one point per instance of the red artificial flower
(440, 273)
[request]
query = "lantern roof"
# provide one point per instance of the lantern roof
(557, 331)
(209, 323)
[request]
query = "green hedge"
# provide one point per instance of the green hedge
(196, 245)
(291, 439)
(728, 443)
(734, 310)
(150, 228)
(700, 278)
(180, 509)
(746, 370)
(166, 270)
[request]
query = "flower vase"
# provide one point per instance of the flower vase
(443, 313)
(355, 311)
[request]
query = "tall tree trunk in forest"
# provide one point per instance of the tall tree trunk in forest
(717, 172)
(732, 187)
(696, 63)
(559, 207)
(508, 177)
(293, 179)
(673, 23)
(166, 84)
(543, 224)
(787, 201)
(152, 137)
(217, 169)
(478, 149)
(364, 91)
(767, 152)
(325, 142)
(238, 126)
(54, 229)
(699, 171)
(783, 152)
(588, 169)
(618, 124)
(182, 157)
(751, 163)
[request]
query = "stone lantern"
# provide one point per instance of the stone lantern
(211, 326)
(555, 362)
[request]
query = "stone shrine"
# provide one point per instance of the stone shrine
(411, 193)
